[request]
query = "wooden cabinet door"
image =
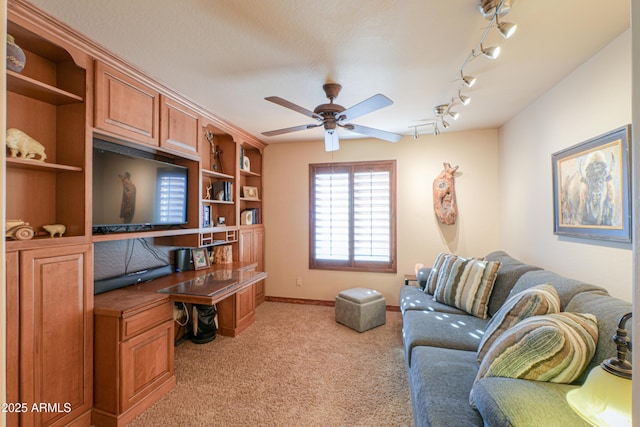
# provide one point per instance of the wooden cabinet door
(125, 106)
(56, 334)
(245, 245)
(146, 362)
(179, 127)
(245, 308)
(258, 253)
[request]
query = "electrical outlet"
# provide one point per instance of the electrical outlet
(298, 281)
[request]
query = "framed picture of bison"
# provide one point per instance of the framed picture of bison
(591, 188)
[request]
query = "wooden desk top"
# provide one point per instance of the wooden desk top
(208, 286)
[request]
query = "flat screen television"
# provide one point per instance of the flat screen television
(134, 188)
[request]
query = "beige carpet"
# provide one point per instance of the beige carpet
(294, 367)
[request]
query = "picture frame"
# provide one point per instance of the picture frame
(250, 192)
(200, 258)
(591, 188)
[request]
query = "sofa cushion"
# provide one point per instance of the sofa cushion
(429, 328)
(566, 288)
(608, 310)
(554, 347)
(440, 380)
(468, 285)
(513, 402)
(412, 298)
(510, 271)
(535, 301)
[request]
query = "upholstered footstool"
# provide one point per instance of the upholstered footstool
(361, 309)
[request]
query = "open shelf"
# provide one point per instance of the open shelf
(249, 173)
(18, 163)
(35, 89)
(214, 174)
(142, 234)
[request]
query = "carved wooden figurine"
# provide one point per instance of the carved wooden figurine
(19, 142)
(444, 195)
(54, 229)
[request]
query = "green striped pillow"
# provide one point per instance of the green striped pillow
(438, 268)
(553, 347)
(467, 284)
(535, 301)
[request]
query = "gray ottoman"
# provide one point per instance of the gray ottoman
(361, 309)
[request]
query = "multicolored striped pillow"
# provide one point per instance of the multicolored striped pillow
(438, 268)
(467, 284)
(553, 347)
(535, 301)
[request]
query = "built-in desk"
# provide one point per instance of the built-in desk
(134, 334)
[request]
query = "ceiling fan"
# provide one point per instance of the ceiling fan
(332, 116)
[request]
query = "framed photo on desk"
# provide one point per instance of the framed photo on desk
(200, 258)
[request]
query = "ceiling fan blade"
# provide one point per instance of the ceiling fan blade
(291, 129)
(374, 103)
(290, 105)
(331, 141)
(376, 133)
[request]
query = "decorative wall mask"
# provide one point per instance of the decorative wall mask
(444, 195)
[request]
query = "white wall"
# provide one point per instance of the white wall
(420, 237)
(593, 100)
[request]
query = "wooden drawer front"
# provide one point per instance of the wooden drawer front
(147, 362)
(132, 326)
(180, 127)
(125, 106)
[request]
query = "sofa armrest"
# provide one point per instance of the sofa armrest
(507, 402)
(422, 276)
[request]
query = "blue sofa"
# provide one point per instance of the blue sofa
(441, 341)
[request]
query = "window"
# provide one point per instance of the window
(353, 216)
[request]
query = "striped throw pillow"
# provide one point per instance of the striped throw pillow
(553, 347)
(438, 268)
(535, 301)
(467, 285)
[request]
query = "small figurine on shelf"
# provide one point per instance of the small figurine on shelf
(54, 229)
(17, 229)
(214, 151)
(19, 142)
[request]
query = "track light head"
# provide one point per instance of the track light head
(453, 114)
(440, 110)
(416, 135)
(445, 124)
(436, 131)
(490, 52)
(465, 100)
(468, 81)
(507, 29)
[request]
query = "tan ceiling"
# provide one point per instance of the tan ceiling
(228, 55)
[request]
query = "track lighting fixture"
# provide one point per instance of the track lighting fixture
(464, 100)
(468, 81)
(492, 10)
(490, 52)
(440, 110)
(416, 135)
(507, 29)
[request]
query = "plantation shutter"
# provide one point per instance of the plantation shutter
(332, 216)
(352, 216)
(372, 216)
